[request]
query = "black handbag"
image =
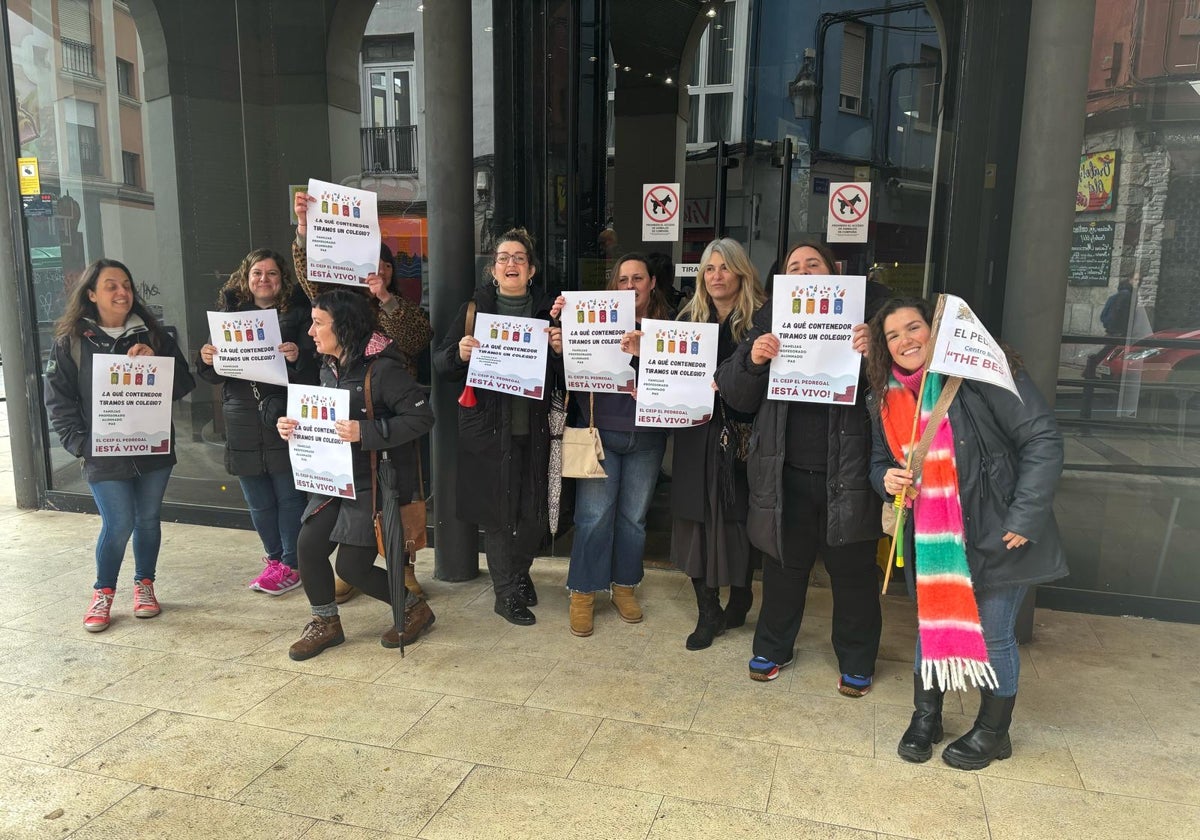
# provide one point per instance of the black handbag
(271, 407)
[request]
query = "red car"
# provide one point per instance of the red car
(1173, 365)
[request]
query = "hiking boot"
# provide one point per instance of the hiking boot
(276, 579)
(417, 619)
(626, 603)
(96, 618)
(321, 632)
(145, 605)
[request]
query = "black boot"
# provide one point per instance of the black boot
(988, 738)
(925, 730)
(741, 598)
(711, 622)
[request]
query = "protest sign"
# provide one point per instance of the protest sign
(343, 234)
(813, 316)
(511, 356)
(678, 361)
(248, 346)
(131, 404)
(963, 347)
(321, 461)
(593, 323)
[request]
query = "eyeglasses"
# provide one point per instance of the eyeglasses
(515, 259)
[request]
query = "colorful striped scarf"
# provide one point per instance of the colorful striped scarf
(952, 646)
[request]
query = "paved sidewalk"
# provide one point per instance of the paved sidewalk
(196, 724)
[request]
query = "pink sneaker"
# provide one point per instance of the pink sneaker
(145, 605)
(96, 618)
(276, 578)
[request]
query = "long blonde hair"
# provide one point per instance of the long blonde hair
(750, 294)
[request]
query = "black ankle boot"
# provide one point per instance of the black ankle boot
(988, 738)
(711, 622)
(925, 730)
(741, 598)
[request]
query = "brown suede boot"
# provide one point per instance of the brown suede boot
(626, 603)
(417, 619)
(320, 633)
(582, 605)
(410, 580)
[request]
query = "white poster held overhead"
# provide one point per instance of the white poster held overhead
(343, 234)
(675, 375)
(131, 404)
(322, 462)
(511, 356)
(248, 345)
(592, 324)
(849, 212)
(963, 346)
(813, 316)
(660, 212)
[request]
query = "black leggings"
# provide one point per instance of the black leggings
(355, 563)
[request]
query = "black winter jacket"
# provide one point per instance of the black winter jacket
(69, 398)
(402, 415)
(1009, 456)
(250, 447)
(852, 508)
(485, 437)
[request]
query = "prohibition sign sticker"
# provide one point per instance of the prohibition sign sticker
(849, 212)
(660, 212)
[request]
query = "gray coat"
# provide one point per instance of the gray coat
(1009, 456)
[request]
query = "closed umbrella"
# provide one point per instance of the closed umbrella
(393, 536)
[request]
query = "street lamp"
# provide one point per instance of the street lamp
(802, 90)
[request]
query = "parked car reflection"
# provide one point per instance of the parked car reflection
(1174, 365)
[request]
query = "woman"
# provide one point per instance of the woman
(708, 537)
(610, 513)
(343, 329)
(810, 495)
(401, 320)
(504, 440)
(976, 552)
(254, 452)
(105, 315)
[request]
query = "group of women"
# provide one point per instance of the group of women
(763, 483)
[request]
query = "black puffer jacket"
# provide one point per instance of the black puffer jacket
(852, 511)
(250, 447)
(69, 397)
(1009, 456)
(485, 436)
(402, 414)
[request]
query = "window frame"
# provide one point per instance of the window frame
(699, 89)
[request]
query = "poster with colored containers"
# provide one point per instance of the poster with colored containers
(343, 234)
(592, 325)
(131, 404)
(321, 461)
(248, 345)
(675, 377)
(511, 356)
(814, 316)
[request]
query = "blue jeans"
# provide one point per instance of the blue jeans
(129, 506)
(998, 609)
(610, 513)
(275, 509)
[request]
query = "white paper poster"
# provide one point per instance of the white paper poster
(675, 377)
(511, 357)
(131, 404)
(321, 461)
(592, 324)
(849, 212)
(965, 348)
(343, 234)
(248, 345)
(813, 316)
(660, 212)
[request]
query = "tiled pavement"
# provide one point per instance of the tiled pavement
(196, 724)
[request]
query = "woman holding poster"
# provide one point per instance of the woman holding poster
(708, 480)
(343, 329)
(982, 528)
(254, 452)
(504, 439)
(810, 495)
(610, 513)
(401, 320)
(105, 316)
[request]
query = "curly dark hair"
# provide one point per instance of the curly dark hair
(353, 322)
(239, 282)
(523, 238)
(879, 358)
(80, 307)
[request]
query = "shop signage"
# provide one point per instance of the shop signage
(27, 176)
(1097, 182)
(1091, 253)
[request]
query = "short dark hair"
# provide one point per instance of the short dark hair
(353, 321)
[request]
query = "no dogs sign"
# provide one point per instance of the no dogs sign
(849, 211)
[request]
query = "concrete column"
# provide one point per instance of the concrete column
(651, 149)
(447, 40)
(1052, 129)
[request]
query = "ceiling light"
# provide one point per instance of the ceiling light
(712, 11)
